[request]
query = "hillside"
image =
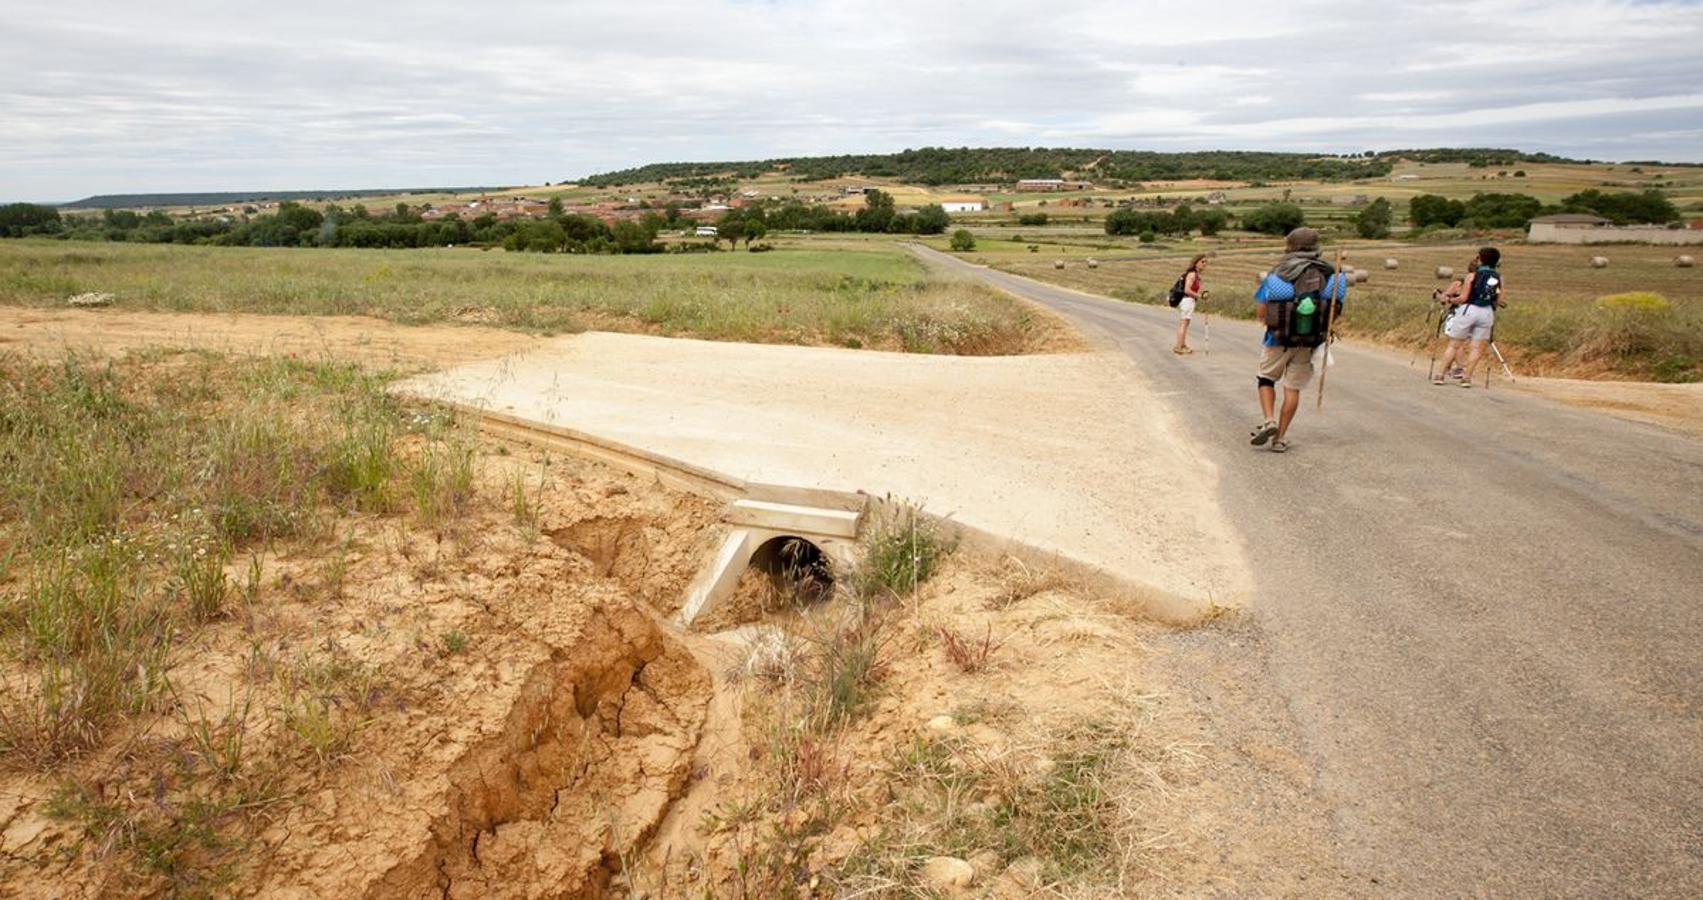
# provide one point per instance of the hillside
(215, 198)
(943, 165)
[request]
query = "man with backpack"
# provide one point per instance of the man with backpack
(1474, 316)
(1297, 301)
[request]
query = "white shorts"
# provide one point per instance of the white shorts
(1470, 322)
(1185, 309)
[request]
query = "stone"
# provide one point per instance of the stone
(942, 724)
(947, 872)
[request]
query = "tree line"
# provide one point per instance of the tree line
(964, 165)
(293, 224)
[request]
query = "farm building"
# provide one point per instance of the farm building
(1583, 228)
(963, 204)
(1051, 184)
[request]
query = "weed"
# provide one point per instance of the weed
(901, 550)
(845, 667)
(454, 642)
(968, 655)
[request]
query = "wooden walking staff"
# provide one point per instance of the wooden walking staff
(1330, 322)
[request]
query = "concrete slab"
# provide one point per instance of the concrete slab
(1066, 452)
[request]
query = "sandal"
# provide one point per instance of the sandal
(1265, 432)
(1465, 383)
(1439, 381)
(1182, 351)
(1280, 446)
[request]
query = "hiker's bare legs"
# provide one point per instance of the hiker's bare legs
(1472, 360)
(1449, 356)
(1291, 402)
(1182, 336)
(1268, 399)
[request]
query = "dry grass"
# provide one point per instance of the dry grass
(130, 491)
(873, 296)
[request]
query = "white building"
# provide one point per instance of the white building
(705, 231)
(963, 206)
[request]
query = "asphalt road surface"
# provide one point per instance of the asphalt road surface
(1482, 610)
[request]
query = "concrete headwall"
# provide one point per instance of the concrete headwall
(1544, 233)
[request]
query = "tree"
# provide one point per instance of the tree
(1624, 208)
(21, 219)
(963, 241)
(1213, 221)
(1426, 210)
(730, 229)
(1039, 218)
(1275, 218)
(555, 210)
(1374, 220)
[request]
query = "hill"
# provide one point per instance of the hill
(962, 165)
(215, 198)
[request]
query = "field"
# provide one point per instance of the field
(1555, 322)
(851, 294)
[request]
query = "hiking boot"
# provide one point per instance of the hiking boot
(1265, 432)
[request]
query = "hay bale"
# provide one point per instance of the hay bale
(1445, 272)
(1359, 277)
(1093, 263)
(1392, 263)
(1058, 263)
(1684, 262)
(1599, 262)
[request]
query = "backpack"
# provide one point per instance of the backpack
(1178, 292)
(1298, 314)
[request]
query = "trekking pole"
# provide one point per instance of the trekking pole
(1499, 358)
(1329, 324)
(1424, 336)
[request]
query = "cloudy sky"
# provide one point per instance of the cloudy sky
(168, 95)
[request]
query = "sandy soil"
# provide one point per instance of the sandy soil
(1066, 452)
(1675, 406)
(371, 342)
(548, 741)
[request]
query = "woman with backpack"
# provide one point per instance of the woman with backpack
(1184, 295)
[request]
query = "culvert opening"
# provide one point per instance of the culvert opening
(797, 570)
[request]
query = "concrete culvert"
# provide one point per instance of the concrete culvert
(1684, 262)
(1599, 262)
(798, 569)
(1445, 272)
(1392, 263)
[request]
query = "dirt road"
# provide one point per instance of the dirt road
(1482, 611)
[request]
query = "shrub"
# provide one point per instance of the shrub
(963, 241)
(1275, 218)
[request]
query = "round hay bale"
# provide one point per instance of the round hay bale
(1058, 263)
(1359, 277)
(1599, 262)
(1445, 272)
(1392, 263)
(1684, 262)
(1093, 263)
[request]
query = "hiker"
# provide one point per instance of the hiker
(1473, 316)
(1184, 295)
(1292, 303)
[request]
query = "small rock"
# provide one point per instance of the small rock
(948, 872)
(942, 724)
(987, 863)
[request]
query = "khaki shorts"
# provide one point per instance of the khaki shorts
(1291, 365)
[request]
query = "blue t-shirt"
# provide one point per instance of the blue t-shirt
(1275, 290)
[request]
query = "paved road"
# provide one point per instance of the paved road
(1482, 610)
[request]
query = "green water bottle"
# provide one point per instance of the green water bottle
(1305, 313)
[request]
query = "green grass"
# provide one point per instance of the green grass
(865, 295)
(127, 487)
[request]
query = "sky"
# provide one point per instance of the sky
(126, 97)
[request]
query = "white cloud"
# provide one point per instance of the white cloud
(204, 94)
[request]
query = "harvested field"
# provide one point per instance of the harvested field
(876, 296)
